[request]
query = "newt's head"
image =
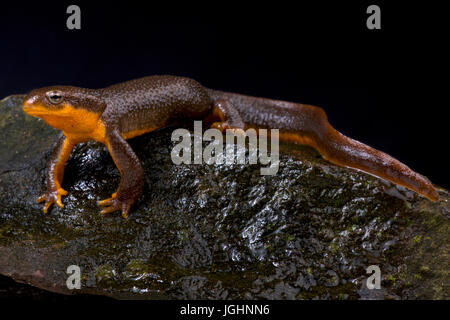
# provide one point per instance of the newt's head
(66, 108)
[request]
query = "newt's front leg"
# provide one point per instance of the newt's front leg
(55, 174)
(131, 172)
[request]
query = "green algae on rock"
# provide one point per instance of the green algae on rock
(215, 231)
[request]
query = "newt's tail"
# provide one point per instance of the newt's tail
(308, 125)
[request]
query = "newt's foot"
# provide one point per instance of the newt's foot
(50, 197)
(114, 204)
(224, 126)
(221, 126)
(238, 132)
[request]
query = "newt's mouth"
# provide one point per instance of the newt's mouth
(34, 110)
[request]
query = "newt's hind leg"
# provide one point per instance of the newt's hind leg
(225, 116)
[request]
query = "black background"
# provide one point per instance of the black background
(386, 88)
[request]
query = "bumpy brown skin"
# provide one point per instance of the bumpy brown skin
(119, 112)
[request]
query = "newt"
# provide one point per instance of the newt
(122, 111)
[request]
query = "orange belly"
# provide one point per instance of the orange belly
(135, 133)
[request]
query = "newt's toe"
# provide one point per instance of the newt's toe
(109, 209)
(107, 202)
(221, 126)
(47, 206)
(237, 132)
(224, 127)
(125, 212)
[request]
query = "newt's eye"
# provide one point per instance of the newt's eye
(54, 97)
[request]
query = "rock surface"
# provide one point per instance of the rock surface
(215, 231)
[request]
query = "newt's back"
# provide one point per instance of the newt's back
(153, 101)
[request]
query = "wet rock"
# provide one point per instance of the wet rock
(214, 231)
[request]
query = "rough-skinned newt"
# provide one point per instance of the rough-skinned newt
(114, 114)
